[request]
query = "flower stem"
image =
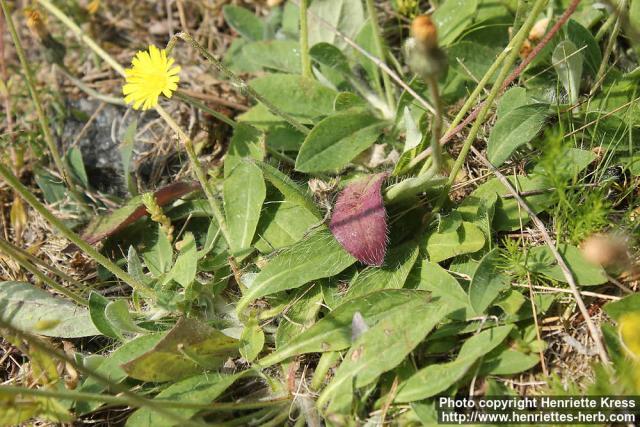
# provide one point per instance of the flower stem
(60, 165)
(436, 126)
(15, 254)
(381, 51)
(518, 40)
(304, 40)
(238, 82)
(24, 192)
(215, 206)
(192, 101)
(200, 174)
(82, 36)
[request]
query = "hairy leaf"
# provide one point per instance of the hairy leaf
(359, 220)
(36, 311)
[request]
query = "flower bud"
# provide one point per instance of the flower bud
(606, 250)
(424, 57)
(424, 31)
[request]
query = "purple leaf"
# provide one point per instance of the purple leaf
(359, 221)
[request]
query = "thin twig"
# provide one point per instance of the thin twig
(610, 113)
(593, 331)
(569, 291)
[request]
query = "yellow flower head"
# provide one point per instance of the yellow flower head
(629, 328)
(151, 74)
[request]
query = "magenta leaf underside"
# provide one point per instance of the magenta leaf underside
(359, 220)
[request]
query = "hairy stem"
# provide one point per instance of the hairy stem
(82, 36)
(200, 174)
(518, 40)
(304, 40)
(436, 126)
(512, 77)
(238, 82)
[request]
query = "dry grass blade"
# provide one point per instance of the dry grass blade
(593, 331)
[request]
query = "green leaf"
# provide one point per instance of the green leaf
(97, 306)
(508, 214)
(291, 191)
(346, 16)
(444, 286)
(472, 60)
(76, 164)
(246, 142)
(337, 140)
(467, 238)
(202, 389)
(190, 347)
(244, 22)
(300, 316)
(330, 56)
(278, 55)
(634, 14)
(540, 260)
(628, 304)
(110, 367)
(513, 98)
(251, 340)
(333, 331)
(159, 257)
(36, 311)
(487, 282)
(244, 193)
(435, 379)
(282, 224)
(392, 275)
(299, 264)
(412, 130)
(117, 313)
(134, 266)
(586, 44)
(391, 337)
(508, 362)
(516, 128)
(296, 95)
(184, 269)
(53, 189)
(567, 61)
(452, 17)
